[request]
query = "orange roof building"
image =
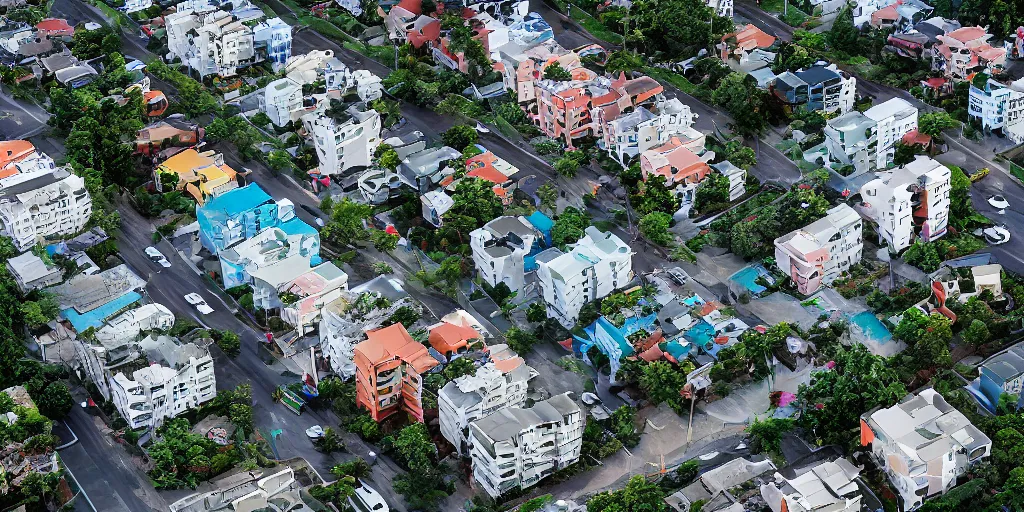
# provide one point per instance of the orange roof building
(744, 41)
(450, 339)
(12, 151)
(389, 373)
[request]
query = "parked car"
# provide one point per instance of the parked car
(995, 235)
(367, 499)
(998, 201)
(678, 275)
(157, 257)
(315, 432)
(197, 300)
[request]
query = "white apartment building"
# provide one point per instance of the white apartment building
(494, 386)
(273, 40)
(631, 134)
(212, 43)
(339, 78)
(515, 448)
(999, 106)
(598, 264)
(179, 377)
(722, 7)
(818, 253)
(499, 249)
(270, 260)
(868, 141)
(909, 202)
(281, 100)
(924, 445)
(131, 6)
(35, 205)
(827, 487)
(343, 140)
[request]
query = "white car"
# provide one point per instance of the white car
(367, 499)
(197, 300)
(996, 235)
(315, 432)
(999, 202)
(157, 257)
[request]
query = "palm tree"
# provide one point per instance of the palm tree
(277, 394)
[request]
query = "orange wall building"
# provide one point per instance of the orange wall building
(389, 372)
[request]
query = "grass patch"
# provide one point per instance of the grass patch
(679, 81)
(794, 17)
(116, 17)
(595, 27)
(772, 5)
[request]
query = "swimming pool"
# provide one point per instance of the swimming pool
(747, 278)
(700, 334)
(693, 301)
(871, 327)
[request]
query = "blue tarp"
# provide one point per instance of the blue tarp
(543, 223)
(96, 317)
(612, 341)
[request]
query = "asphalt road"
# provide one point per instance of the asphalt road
(105, 471)
(76, 11)
(20, 119)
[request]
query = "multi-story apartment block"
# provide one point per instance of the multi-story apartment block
(966, 50)
(515, 448)
(827, 487)
(202, 175)
(180, 377)
(343, 140)
(868, 141)
(496, 385)
(269, 260)
(1000, 374)
(281, 100)
(818, 253)
(924, 445)
(390, 366)
(598, 264)
(680, 165)
(235, 215)
(722, 7)
(500, 249)
(273, 39)
(114, 343)
(631, 134)
(212, 43)
(315, 288)
(999, 107)
(41, 203)
(819, 87)
(909, 202)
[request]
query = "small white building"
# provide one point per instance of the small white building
(598, 264)
(827, 487)
(273, 41)
(494, 386)
(31, 272)
(818, 253)
(723, 7)
(131, 6)
(499, 249)
(281, 100)
(515, 448)
(343, 140)
(35, 205)
(868, 141)
(737, 178)
(629, 135)
(909, 202)
(180, 377)
(923, 444)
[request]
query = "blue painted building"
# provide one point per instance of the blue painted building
(1001, 373)
(244, 212)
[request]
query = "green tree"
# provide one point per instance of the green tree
(843, 36)
(675, 27)
(639, 495)
(661, 382)
(556, 72)
(55, 401)
(228, 341)
(548, 196)
(567, 167)
(460, 136)
(654, 196)
(536, 312)
(655, 226)
(905, 153)
(739, 95)
(976, 333)
(934, 123)
(260, 119)
(928, 337)
(713, 190)
(520, 341)
(624, 61)
(767, 434)
(384, 241)
(389, 159)
(345, 226)
(569, 227)
(35, 314)
(279, 160)
(458, 368)
(475, 199)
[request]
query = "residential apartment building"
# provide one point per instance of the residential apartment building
(180, 377)
(966, 50)
(390, 367)
(818, 253)
(316, 288)
(923, 444)
(496, 385)
(343, 140)
(1000, 374)
(631, 134)
(281, 100)
(868, 141)
(21, 157)
(820, 87)
(598, 264)
(514, 448)
(999, 107)
(737, 178)
(909, 202)
(273, 40)
(682, 167)
(42, 203)
(268, 260)
(826, 487)
(722, 7)
(500, 249)
(241, 213)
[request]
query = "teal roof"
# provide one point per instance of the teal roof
(239, 200)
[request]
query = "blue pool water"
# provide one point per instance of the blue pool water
(693, 301)
(747, 277)
(873, 329)
(96, 317)
(700, 334)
